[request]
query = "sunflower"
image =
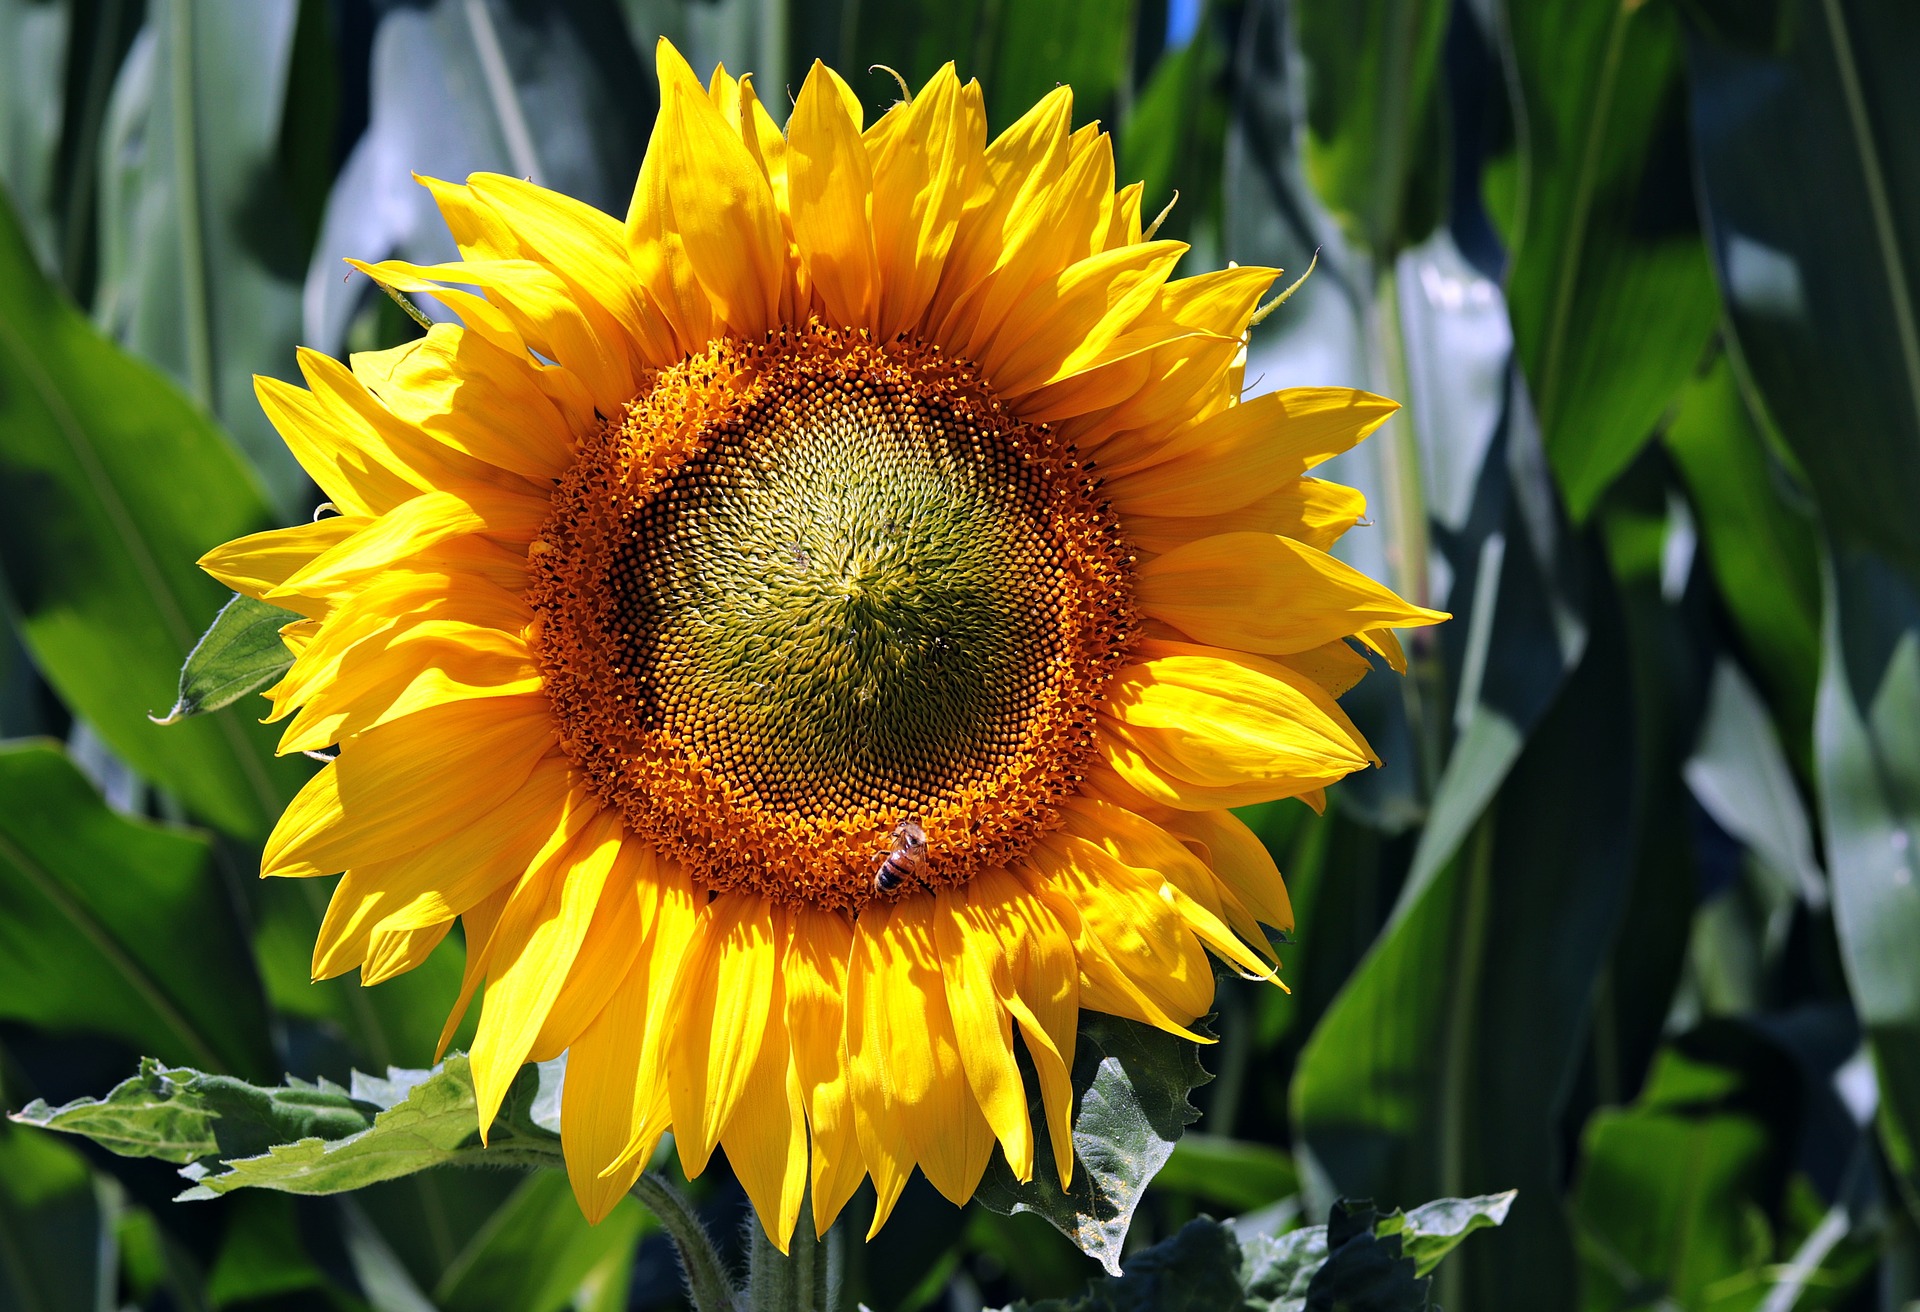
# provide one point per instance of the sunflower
(810, 632)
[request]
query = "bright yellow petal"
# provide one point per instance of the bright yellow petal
(816, 980)
(1224, 723)
(261, 562)
(476, 398)
(395, 789)
(615, 1084)
(766, 1138)
(922, 176)
(587, 248)
(1263, 593)
(722, 1001)
(907, 1032)
(1244, 452)
(979, 981)
(1308, 510)
(830, 188)
(535, 944)
(724, 215)
(1138, 958)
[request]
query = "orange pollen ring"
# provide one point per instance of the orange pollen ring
(804, 593)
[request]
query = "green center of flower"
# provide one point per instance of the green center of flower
(846, 601)
(805, 590)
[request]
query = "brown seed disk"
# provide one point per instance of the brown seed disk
(803, 589)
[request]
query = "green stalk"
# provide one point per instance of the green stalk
(706, 1275)
(794, 1281)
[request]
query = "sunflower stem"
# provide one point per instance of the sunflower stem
(793, 1281)
(700, 1263)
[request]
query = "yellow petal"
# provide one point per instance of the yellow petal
(979, 980)
(1071, 321)
(394, 952)
(1239, 859)
(535, 944)
(261, 562)
(1308, 510)
(413, 526)
(615, 1084)
(446, 878)
(1225, 720)
(922, 176)
(1138, 958)
(474, 397)
(1263, 593)
(830, 187)
(816, 979)
(1245, 451)
(721, 1003)
(766, 1138)
(908, 1032)
(395, 789)
(724, 215)
(587, 248)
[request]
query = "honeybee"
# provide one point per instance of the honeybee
(905, 854)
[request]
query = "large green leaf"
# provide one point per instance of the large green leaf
(1804, 115)
(203, 247)
(1443, 1065)
(1609, 285)
(549, 92)
(114, 926)
(311, 1138)
(1868, 757)
(114, 485)
(1130, 1084)
(1759, 537)
(1374, 115)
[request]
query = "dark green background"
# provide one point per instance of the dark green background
(1630, 919)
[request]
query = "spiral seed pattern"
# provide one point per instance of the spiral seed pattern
(805, 588)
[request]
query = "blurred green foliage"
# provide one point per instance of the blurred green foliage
(1628, 920)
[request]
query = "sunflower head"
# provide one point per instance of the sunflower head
(811, 633)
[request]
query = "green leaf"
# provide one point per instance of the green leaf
(1130, 1084)
(115, 926)
(1868, 759)
(1432, 1230)
(312, 1138)
(239, 654)
(1670, 1188)
(202, 247)
(1609, 286)
(1804, 116)
(1758, 531)
(114, 485)
(1375, 152)
(1441, 1067)
(56, 1239)
(1360, 1261)
(1739, 773)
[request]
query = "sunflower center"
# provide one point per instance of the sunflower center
(803, 592)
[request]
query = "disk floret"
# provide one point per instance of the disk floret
(804, 588)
